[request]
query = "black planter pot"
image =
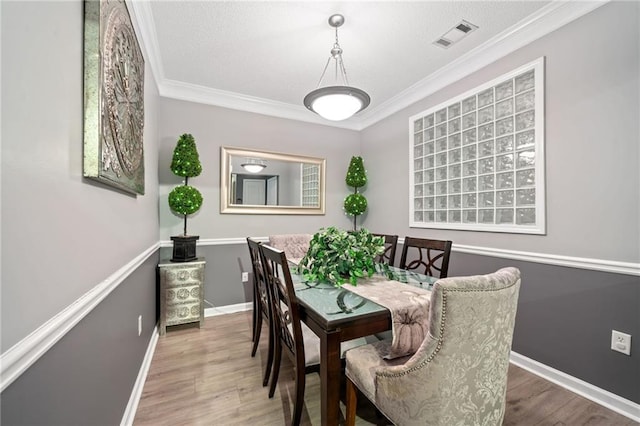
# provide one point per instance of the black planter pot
(184, 248)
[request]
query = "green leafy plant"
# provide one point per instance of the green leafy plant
(185, 200)
(339, 256)
(356, 204)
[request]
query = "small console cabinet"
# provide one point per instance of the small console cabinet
(181, 293)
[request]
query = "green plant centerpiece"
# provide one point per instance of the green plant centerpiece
(339, 256)
(356, 204)
(185, 200)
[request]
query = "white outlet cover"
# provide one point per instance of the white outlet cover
(245, 277)
(621, 342)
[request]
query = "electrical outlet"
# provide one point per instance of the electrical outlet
(245, 277)
(139, 325)
(621, 342)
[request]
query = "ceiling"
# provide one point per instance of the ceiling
(266, 56)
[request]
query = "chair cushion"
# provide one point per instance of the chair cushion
(312, 345)
(364, 361)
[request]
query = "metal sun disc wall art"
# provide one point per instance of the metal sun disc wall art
(113, 97)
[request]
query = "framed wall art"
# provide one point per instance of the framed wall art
(113, 97)
(477, 160)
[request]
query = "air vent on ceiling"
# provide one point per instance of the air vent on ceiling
(455, 34)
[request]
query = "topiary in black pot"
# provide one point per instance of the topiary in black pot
(184, 199)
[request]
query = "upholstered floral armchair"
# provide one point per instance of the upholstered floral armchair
(458, 376)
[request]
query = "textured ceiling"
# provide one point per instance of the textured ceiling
(274, 52)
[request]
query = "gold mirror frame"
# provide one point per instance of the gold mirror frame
(225, 182)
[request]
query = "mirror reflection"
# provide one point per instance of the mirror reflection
(262, 182)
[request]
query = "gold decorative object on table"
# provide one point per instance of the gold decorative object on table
(113, 97)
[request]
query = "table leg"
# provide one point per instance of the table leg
(330, 375)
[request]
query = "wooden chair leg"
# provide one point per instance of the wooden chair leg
(352, 401)
(276, 368)
(267, 371)
(299, 401)
(254, 318)
(256, 339)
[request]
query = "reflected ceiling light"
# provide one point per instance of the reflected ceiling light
(253, 165)
(336, 102)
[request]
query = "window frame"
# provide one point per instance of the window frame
(424, 148)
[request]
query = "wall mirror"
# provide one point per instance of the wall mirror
(263, 182)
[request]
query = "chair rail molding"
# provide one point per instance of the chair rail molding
(17, 359)
(626, 268)
(603, 265)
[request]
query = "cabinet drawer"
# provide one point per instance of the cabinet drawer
(183, 294)
(183, 275)
(182, 313)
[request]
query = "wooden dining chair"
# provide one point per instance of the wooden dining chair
(388, 256)
(288, 327)
(261, 306)
(458, 376)
(300, 343)
(433, 255)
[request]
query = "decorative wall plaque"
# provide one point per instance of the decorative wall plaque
(113, 97)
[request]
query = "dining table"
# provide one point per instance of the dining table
(335, 315)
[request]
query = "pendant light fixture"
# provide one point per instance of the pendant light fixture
(337, 102)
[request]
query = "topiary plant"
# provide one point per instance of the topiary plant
(356, 204)
(339, 256)
(185, 200)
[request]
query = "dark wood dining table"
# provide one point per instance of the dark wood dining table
(336, 315)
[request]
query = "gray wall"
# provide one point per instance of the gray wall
(592, 151)
(214, 127)
(592, 94)
(62, 235)
(565, 317)
(87, 377)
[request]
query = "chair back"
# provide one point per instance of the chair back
(433, 255)
(284, 306)
(295, 246)
(388, 256)
(459, 374)
(261, 292)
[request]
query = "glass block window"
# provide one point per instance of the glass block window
(477, 160)
(310, 176)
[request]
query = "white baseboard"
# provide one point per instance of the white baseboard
(228, 309)
(136, 393)
(600, 396)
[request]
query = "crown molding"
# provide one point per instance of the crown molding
(546, 20)
(143, 23)
(205, 95)
(549, 18)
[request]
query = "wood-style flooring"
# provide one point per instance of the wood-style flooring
(207, 377)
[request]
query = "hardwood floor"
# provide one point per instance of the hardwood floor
(207, 377)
